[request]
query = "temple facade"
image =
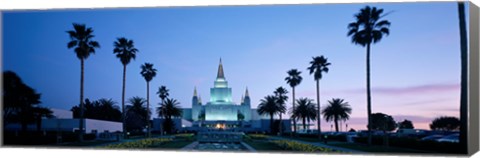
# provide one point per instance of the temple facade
(220, 107)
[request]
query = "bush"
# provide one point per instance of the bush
(296, 146)
(145, 143)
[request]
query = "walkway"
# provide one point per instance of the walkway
(318, 144)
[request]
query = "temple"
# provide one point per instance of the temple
(221, 106)
(220, 112)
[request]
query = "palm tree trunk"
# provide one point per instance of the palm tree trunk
(369, 99)
(271, 123)
(293, 109)
(123, 100)
(148, 109)
(464, 79)
(80, 135)
(336, 124)
(280, 125)
(304, 125)
(318, 111)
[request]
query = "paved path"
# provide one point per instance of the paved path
(194, 144)
(318, 144)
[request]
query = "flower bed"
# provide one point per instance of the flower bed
(145, 143)
(258, 136)
(296, 146)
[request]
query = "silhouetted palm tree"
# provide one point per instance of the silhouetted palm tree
(125, 51)
(281, 95)
(169, 109)
(318, 65)
(464, 79)
(136, 113)
(109, 110)
(269, 106)
(337, 110)
(81, 40)
(367, 29)
(305, 110)
(162, 93)
(148, 72)
(293, 79)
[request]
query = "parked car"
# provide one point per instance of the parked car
(453, 138)
(432, 137)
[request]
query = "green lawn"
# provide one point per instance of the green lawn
(177, 144)
(262, 145)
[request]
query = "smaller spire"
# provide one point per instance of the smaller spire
(246, 92)
(199, 99)
(242, 99)
(195, 91)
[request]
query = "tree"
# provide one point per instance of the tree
(39, 113)
(337, 110)
(136, 114)
(405, 124)
(148, 72)
(83, 44)
(268, 106)
(102, 109)
(20, 100)
(367, 29)
(281, 95)
(125, 51)
(293, 79)
(464, 78)
(382, 122)
(305, 110)
(318, 65)
(169, 109)
(445, 123)
(240, 116)
(162, 93)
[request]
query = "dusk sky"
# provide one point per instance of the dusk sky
(415, 71)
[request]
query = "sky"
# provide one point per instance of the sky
(415, 71)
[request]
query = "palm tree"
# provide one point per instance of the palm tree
(125, 51)
(162, 93)
(269, 106)
(367, 29)
(464, 78)
(337, 110)
(148, 72)
(136, 112)
(168, 110)
(293, 79)
(281, 95)
(109, 110)
(318, 65)
(81, 40)
(305, 110)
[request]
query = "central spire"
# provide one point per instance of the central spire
(220, 70)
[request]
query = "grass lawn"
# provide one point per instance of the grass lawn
(177, 144)
(262, 145)
(86, 143)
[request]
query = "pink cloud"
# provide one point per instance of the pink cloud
(411, 90)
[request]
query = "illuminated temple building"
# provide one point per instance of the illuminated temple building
(221, 112)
